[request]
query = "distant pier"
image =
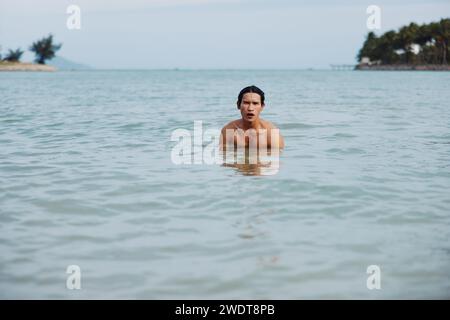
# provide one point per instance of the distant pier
(342, 67)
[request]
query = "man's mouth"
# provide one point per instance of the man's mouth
(250, 115)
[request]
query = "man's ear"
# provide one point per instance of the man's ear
(238, 106)
(262, 106)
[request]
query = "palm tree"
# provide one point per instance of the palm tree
(13, 55)
(440, 32)
(45, 49)
(406, 36)
(368, 47)
(424, 39)
(386, 48)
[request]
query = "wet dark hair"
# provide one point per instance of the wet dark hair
(250, 89)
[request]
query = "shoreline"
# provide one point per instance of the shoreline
(404, 67)
(25, 66)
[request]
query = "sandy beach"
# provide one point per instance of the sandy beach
(24, 66)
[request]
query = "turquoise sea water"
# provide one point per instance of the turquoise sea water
(87, 179)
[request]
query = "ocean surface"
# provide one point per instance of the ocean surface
(87, 179)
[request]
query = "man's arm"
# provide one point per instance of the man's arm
(275, 137)
(223, 141)
(224, 138)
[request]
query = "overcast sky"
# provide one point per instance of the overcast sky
(207, 33)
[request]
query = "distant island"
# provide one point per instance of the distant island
(65, 64)
(43, 49)
(412, 47)
(58, 63)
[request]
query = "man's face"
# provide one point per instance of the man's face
(251, 106)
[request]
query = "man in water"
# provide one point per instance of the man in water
(251, 131)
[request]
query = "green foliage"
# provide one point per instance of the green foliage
(13, 55)
(397, 47)
(44, 49)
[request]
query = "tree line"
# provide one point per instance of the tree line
(411, 44)
(44, 49)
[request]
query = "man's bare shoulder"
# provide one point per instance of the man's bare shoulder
(232, 125)
(268, 125)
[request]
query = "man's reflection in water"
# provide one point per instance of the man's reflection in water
(250, 162)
